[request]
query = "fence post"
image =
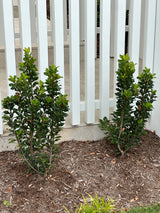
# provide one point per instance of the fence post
(155, 115)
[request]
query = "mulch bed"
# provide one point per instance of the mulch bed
(82, 168)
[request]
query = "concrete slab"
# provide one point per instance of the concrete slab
(83, 133)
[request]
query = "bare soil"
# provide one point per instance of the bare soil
(81, 168)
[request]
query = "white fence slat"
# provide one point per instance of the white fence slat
(128, 2)
(112, 28)
(1, 26)
(75, 61)
(9, 40)
(90, 62)
(58, 38)
(82, 20)
(149, 33)
(154, 121)
(95, 28)
(15, 2)
(42, 37)
(24, 12)
(1, 124)
(134, 33)
(33, 22)
(105, 12)
(65, 19)
(142, 28)
(119, 32)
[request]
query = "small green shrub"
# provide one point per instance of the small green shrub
(36, 113)
(134, 104)
(95, 205)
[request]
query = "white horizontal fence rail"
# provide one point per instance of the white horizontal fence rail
(73, 30)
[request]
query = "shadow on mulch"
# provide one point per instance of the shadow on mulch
(81, 168)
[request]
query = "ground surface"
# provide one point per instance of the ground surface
(81, 168)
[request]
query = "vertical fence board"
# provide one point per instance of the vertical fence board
(1, 26)
(25, 24)
(112, 28)
(58, 37)
(119, 32)
(154, 121)
(90, 62)
(105, 57)
(42, 37)
(96, 28)
(65, 19)
(1, 124)
(134, 33)
(82, 20)
(149, 33)
(75, 61)
(9, 40)
(142, 29)
(33, 21)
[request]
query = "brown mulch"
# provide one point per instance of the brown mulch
(81, 168)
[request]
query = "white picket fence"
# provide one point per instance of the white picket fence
(143, 39)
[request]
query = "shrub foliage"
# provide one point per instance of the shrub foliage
(36, 113)
(133, 107)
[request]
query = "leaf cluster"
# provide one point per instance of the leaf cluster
(36, 113)
(95, 205)
(133, 107)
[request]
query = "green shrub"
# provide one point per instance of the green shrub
(134, 104)
(36, 113)
(95, 205)
(144, 209)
